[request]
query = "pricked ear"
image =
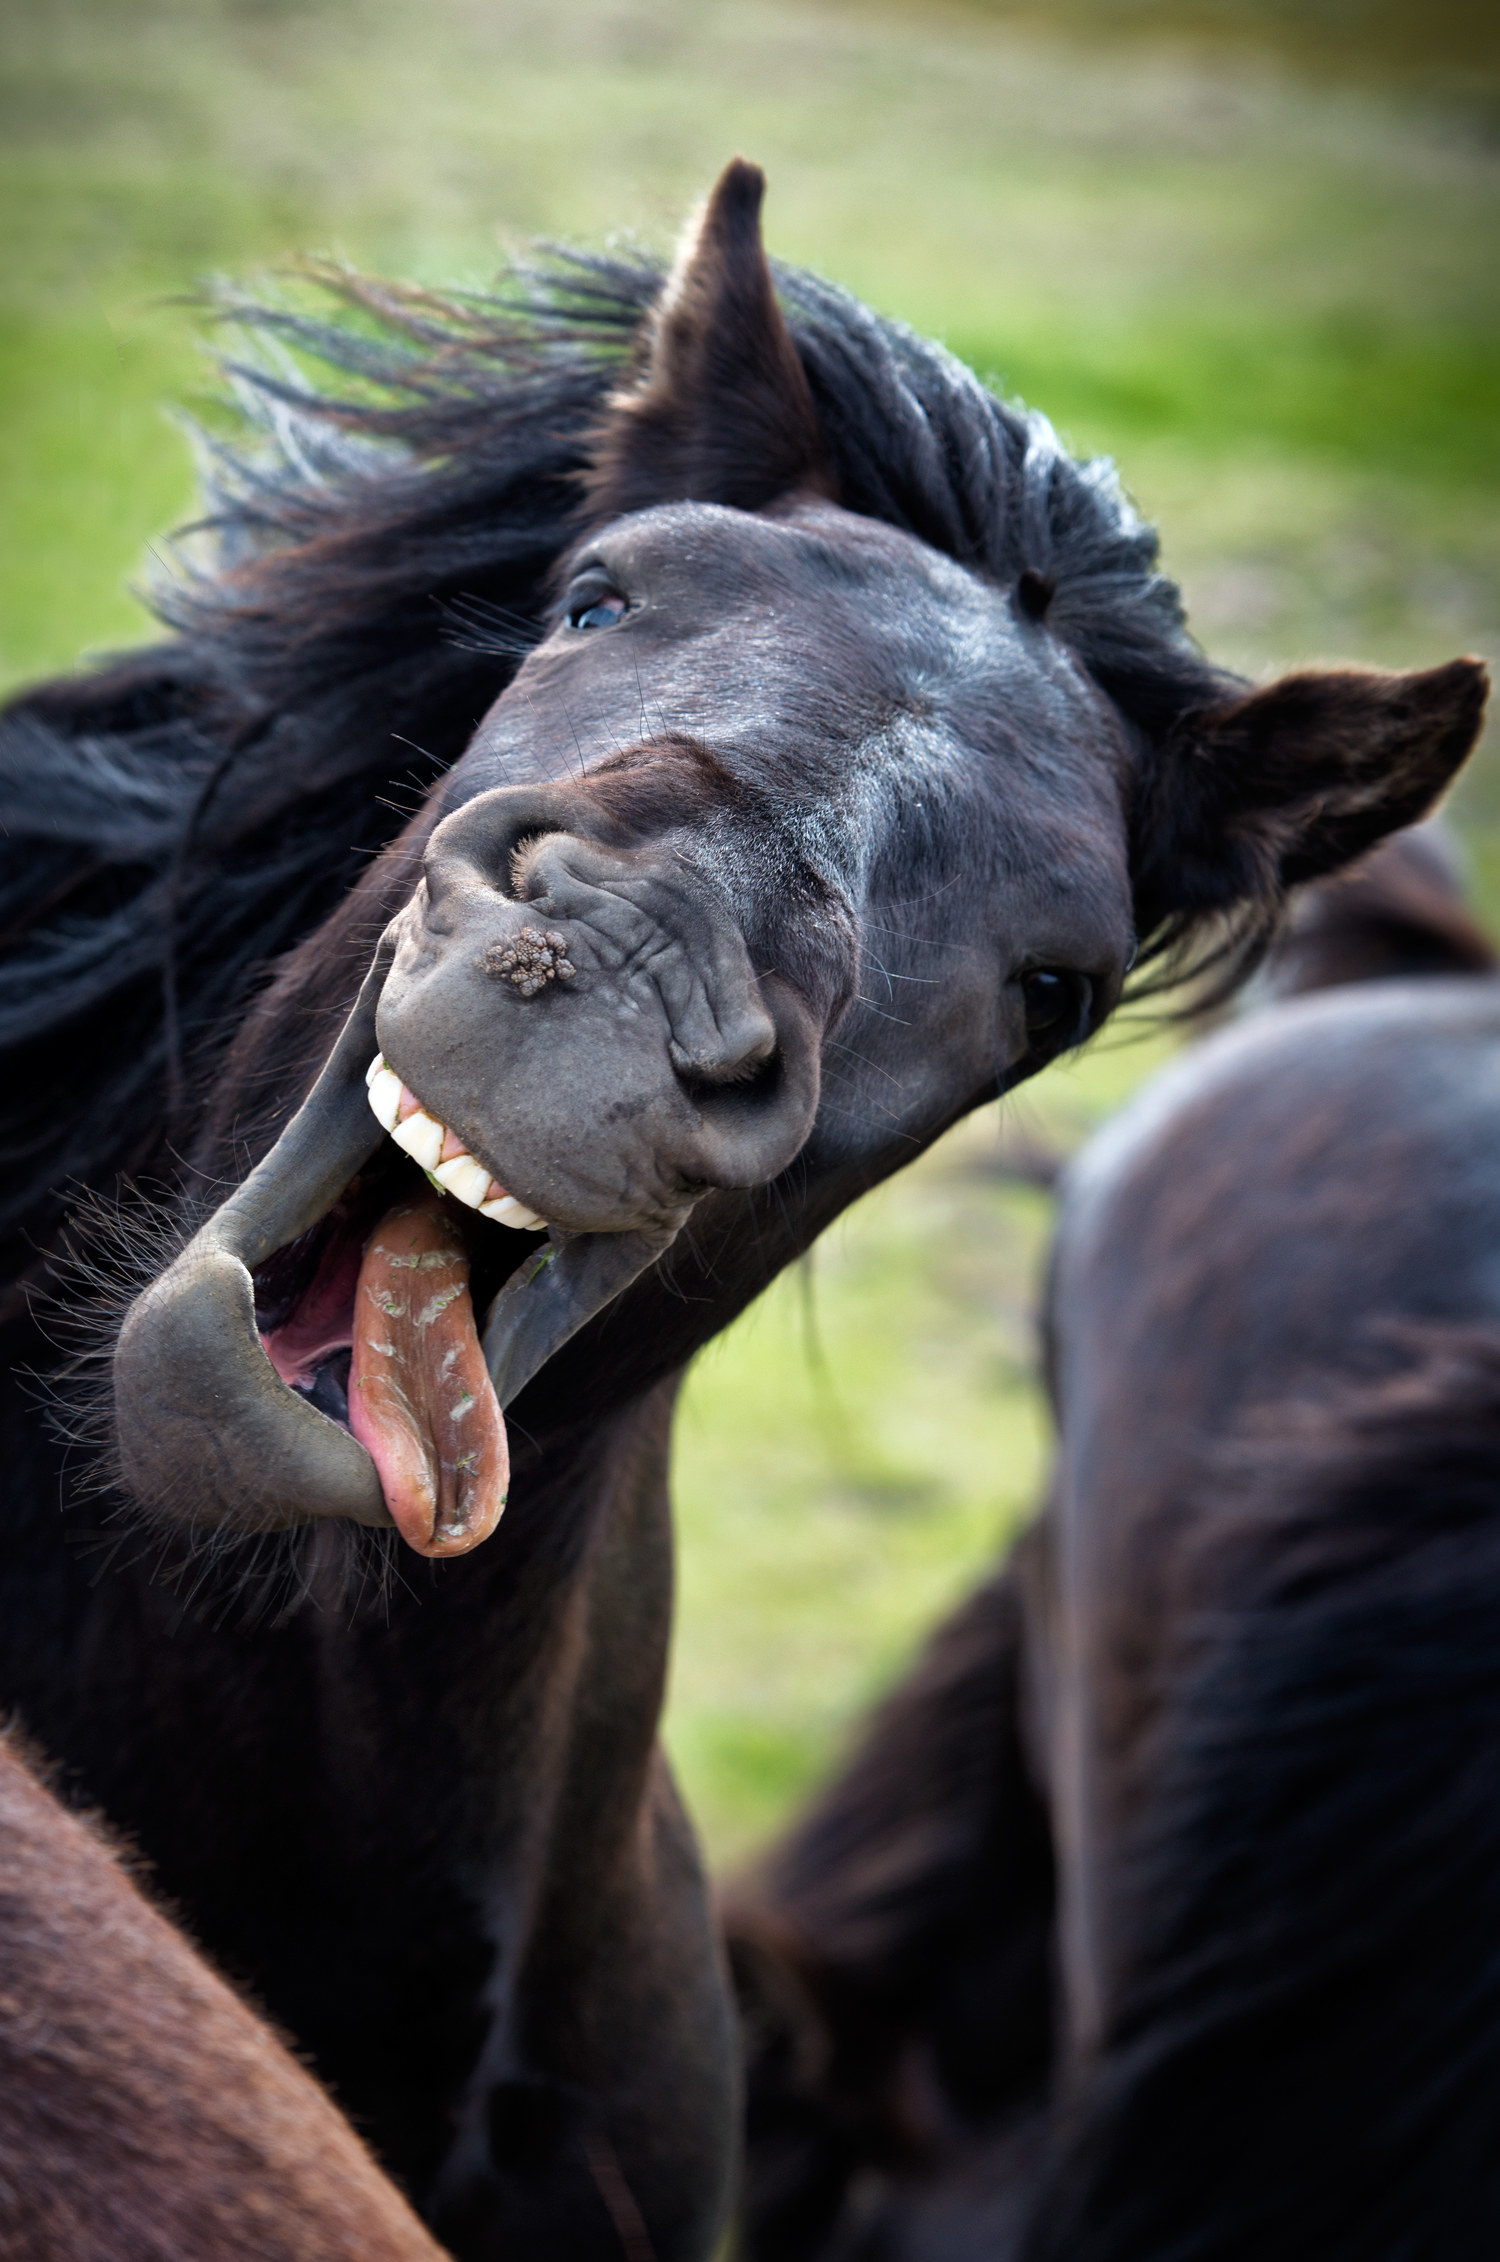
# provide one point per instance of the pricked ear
(719, 410)
(1292, 781)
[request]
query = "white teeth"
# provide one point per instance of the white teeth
(421, 1137)
(506, 1210)
(385, 1097)
(464, 1178)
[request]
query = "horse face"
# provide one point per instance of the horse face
(791, 840)
(802, 813)
(802, 801)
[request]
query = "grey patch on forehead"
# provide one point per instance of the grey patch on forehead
(800, 669)
(828, 537)
(910, 607)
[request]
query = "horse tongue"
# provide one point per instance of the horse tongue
(421, 1401)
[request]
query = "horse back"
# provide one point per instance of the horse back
(1297, 1212)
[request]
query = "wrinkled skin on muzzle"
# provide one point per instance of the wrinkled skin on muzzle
(661, 1066)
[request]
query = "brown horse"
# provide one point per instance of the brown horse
(1155, 1914)
(144, 2110)
(824, 747)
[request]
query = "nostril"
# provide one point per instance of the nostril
(748, 1084)
(519, 863)
(730, 1056)
(756, 1102)
(504, 860)
(500, 839)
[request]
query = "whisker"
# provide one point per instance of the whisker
(863, 1059)
(485, 627)
(879, 1011)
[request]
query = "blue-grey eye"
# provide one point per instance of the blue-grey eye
(598, 612)
(1053, 1002)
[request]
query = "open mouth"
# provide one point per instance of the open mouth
(339, 1339)
(370, 1316)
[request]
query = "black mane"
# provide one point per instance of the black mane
(373, 559)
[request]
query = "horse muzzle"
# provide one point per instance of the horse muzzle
(526, 1102)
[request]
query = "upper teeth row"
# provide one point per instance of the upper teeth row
(400, 1112)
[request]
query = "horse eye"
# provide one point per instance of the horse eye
(1052, 1002)
(598, 612)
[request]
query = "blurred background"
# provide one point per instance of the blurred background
(1250, 248)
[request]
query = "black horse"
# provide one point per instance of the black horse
(1155, 1912)
(818, 748)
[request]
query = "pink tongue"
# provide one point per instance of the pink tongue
(421, 1401)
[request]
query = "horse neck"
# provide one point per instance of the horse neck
(543, 1655)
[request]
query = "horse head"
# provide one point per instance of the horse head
(802, 829)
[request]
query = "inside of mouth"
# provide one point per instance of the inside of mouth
(333, 1312)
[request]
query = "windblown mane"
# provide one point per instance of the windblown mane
(373, 560)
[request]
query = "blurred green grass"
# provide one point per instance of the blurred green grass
(1246, 247)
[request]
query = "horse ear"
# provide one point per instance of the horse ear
(719, 409)
(1292, 781)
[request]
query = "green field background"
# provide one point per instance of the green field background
(1249, 250)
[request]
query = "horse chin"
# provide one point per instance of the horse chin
(314, 1352)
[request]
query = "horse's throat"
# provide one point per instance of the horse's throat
(420, 1397)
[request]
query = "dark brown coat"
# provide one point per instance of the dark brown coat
(146, 2113)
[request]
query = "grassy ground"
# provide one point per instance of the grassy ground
(1268, 290)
